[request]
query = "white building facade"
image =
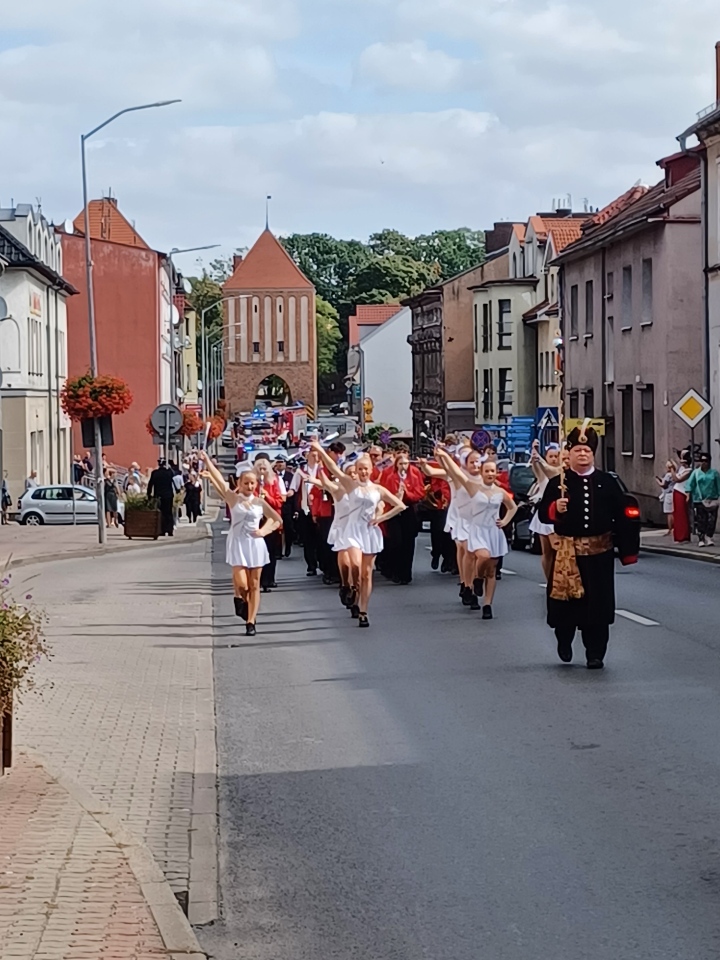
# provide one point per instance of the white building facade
(386, 372)
(33, 350)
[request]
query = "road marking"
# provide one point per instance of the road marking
(510, 573)
(636, 618)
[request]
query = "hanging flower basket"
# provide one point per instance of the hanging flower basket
(88, 397)
(217, 425)
(191, 424)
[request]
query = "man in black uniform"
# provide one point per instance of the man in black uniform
(161, 486)
(590, 521)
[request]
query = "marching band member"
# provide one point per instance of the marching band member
(246, 550)
(406, 482)
(362, 536)
(587, 510)
(543, 471)
(271, 488)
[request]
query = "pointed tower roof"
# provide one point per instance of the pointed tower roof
(267, 266)
(107, 223)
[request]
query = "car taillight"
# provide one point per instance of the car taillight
(632, 513)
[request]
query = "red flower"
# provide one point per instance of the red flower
(85, 397)
(217, 425)
(192, 424)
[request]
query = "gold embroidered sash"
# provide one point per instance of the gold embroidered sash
(566, 580)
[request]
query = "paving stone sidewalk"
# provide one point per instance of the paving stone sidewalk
(125, 707)
(657, 541)
(66, 889)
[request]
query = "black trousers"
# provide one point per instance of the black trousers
(326, 555)
(167, 519)
(705, 520)
(595, 639)
(308, 534)
(274, 545)
(287, 513)
(400, 546)
(442, 545)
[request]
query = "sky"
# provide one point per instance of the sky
(354, 115)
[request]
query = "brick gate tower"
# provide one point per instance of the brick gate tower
(269, 326)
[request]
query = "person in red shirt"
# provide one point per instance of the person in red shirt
(376, 457)
(269, 490)
(406, 482)
(442, 545)
(323, 511)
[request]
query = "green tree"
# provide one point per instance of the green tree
(388, 279)
(328, 263)
(206, 292)
(329, 336)
(451, 251)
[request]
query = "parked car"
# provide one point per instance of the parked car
(54, 504)
(227, 438)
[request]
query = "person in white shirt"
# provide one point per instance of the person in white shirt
(305, 525)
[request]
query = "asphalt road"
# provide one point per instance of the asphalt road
(441, 787)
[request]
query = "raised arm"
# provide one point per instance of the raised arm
(327, 460)
(431, 471)
(212, 474)
(457, 474)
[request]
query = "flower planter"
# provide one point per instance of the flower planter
(142, 523)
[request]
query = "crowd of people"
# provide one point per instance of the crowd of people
(357, 513)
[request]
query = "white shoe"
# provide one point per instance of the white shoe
(709, 543)
(701, 542)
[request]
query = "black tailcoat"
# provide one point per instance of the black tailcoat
(596, 506)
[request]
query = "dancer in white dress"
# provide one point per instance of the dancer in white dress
(361, 536)
(486, 542)
(544, 470)
(349, 587)
(246, 551)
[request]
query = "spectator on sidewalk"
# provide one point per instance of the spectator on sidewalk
(161, 487)
(681, 511)
(78, 469)
(87, 463)
(132, 477)
(111, 498)
(5, 502)
(703, 489)
(31, 481)
(666, 484)
(193, 497)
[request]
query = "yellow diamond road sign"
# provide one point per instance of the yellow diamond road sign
(692, 408)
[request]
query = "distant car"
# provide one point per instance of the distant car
(339, 408)
(313, 430)
(227, 439)
(54, 504)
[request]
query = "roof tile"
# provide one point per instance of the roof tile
(107, 223)
(267, 266)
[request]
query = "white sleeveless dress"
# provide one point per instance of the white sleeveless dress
(242, 548)
(483, 531)
(357, 532)
(536, 526)
(337, 527)
(461, 519)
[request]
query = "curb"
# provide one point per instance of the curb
(687, 554)
(96, 551)
(174, 928)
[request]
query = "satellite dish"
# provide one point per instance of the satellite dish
(175, 313)
(187, 286)
(69, 227)
(3, 309)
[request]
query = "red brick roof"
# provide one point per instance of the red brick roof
(107, 223)
(519, 230)
(617, 206)
(267, 266)
(564, 231)
(375, 312)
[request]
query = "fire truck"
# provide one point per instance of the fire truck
(292, 426)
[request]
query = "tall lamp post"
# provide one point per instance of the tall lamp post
(203, 352)
(173, 252)
(100, 492)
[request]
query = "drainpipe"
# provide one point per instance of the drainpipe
(706, 293)
(57, 386)
(48, 374)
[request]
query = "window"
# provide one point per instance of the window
(504, 325)
(628, 439)
(627, 299)
(574, 310)
(487, 395)
(589, 403)
(256, 346)
(646, 317)
(610, 285)
(610, 350)
(62, 351)
(647, 421)
(475, 328)
(505, 393)
(487, 328)
(281, 346)
(573, 405)
(589, 307)
(477, 394)
(514, 265)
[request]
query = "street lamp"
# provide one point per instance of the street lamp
(100, 493)
(203, 351)
(175, 250)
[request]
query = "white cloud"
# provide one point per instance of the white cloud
(408, 66)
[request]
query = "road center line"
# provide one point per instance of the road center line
(636, 618)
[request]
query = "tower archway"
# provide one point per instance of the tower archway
(275, 390)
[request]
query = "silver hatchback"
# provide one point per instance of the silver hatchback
(57, 504)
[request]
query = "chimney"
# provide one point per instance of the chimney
(237, 260)
(717, 72)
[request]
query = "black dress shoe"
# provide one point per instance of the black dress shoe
(311, 573)
(467, 596)
(487, 613)
(241, 607)
(250, 630)
(478, 586)
(564, 651)
(363, 620)
(595, 664)
(274, 585)
(474, 603)
(435, 563)
(444, 568)
(354, 611)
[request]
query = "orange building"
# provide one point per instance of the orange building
(269, 327)
(132, 315)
